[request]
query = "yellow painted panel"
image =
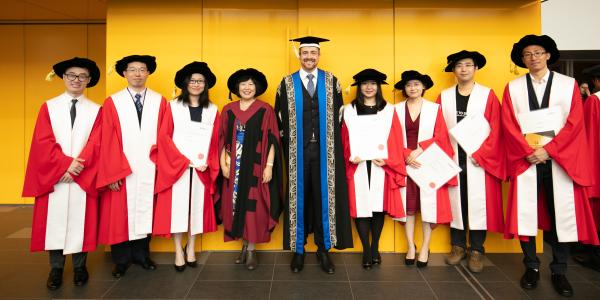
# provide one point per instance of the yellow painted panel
(96, 51)
(12, 164)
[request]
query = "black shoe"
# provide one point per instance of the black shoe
(423, 264)
(119, 270)
(54, 279)
(191, 264)
(561, 285)
(367, 261)
(326, 263)
(179, 268)
(80, 276)
(376, 258)
(410, 261)
(530, 279)
(147, 264)
(297, 263)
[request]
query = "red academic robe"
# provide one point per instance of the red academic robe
(526, 209)
(258, 205)
(484, 182)
(432, 128)
(46, 165)
(591, 110)
(388, 199)
(173, 166)
(115, 226)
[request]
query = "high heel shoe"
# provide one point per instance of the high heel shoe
(410, 261)
(191, 264)
(182, 267)
(423, 264)
(367, 263)
(252, 260)
(376, 259)
(241, 259)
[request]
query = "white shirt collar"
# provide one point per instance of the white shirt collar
(303, 73)
(543, 80)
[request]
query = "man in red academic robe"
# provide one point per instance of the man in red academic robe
(130, 122)
(60, 174)
(591, 109)
(547, 160)
(477, 200)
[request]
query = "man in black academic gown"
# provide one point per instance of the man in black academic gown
(307, 106)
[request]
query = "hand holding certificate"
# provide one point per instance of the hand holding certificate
(540, 126)
(436, 168)
(471, 132)
(194, 142)
(368, 139)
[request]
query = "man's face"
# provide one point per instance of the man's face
(535, 58)
(464, 69)
(136, 74)
(596, 82)
(76, 80)
(309, 58)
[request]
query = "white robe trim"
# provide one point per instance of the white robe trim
(181, 204)
(137, 141)
(561, 94)
(369, 198)
(65, 222)
(477, 208)
(427, 121)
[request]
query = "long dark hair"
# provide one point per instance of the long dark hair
(185, 94)
(360, 98)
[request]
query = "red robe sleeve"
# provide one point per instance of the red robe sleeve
(395, 171)
(112, 163)
(272, 192)
(442, 139)
(350, 169)
(515, 144)
(591, 112)
(170, 163)
(47, 163)
(569, 148)
(490, 156)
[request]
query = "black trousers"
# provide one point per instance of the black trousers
(458, 237)
(57, 259)
(313, 221)
(560, 251)
(136, 251)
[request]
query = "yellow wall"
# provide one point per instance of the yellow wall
(391, 36)
(32, 52)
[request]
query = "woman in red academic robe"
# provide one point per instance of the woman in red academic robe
(251, 165)
(424, 125)
(373, 183)
(187, 162)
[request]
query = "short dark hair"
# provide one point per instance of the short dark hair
(185, 94)
(241, 79)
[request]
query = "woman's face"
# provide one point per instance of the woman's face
(247, 89)
(368, 89)
(196, 85)
(414, 88)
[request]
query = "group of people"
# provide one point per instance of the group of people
(100, 178)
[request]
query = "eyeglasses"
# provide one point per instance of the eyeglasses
(529, 55)
(414, 84)
(80, 77)
(199, 81)
(466, 66)
(140, 70)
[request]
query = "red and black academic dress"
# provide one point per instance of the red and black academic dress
(484, 183)
(126, 140)
(430, 128)
(64, 214)
(249, 208)
(571, 175)
(185, 195)
(373, 188)
(591, 110)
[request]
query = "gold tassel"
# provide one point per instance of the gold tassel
(50, 75)
(295, 51)
(174, 94)
(111, 70)
(347, 90)
(514, 68)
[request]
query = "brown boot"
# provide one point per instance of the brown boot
(241, 259)
(475, 263)
(456, 255)
(251, 260)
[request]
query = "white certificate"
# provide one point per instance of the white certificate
(194, 142)
(368, 138)
(541, 120)
(471, 132)
(436, 168)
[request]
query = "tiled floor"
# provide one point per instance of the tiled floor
(23, 276)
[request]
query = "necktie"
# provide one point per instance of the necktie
(310, 87)
(73, 112)
(138, 103)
